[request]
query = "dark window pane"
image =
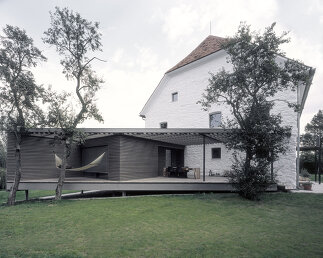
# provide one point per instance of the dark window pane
(163, 125)
(216, 153)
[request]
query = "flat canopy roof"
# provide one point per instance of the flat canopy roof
(180, 136)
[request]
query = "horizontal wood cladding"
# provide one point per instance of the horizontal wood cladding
(126, 158)
(37, 158)
(139, 157)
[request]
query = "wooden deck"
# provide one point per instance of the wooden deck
(155, 184)
(159, 179)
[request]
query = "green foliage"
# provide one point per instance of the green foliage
(3, 153)
(249, 89)
(307, 161)
(2, 178)
(252, 182)
(209, 225)
(313, 131)
(74, 38)
(315, 127)
(19, 94)
(304, 173)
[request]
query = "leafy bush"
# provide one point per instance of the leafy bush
(304, 173)
(250, 182)
(2, 178)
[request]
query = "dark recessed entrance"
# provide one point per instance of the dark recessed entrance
(169, 157)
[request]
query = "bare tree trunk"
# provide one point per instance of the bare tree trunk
(14, 187)
(61, 179)
(248, 161)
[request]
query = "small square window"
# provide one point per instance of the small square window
(163, 125)
(174, 96)
(216, 153)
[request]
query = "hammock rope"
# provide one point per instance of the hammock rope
(92, 164)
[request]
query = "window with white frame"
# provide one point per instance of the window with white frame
(174, 96)
(215, 119)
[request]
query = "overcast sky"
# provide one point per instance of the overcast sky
(142, 39)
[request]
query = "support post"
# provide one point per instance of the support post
(27, 195)
(272, 168)
(203, 158)
(315, 162)
(124, 194)
(298, 144)
(319, 165)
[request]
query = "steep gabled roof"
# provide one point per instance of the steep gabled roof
(208, 46)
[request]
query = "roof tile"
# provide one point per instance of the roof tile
(208, 46)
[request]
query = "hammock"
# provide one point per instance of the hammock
(92, 164)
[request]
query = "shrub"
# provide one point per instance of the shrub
(304, 173)
(252, 182)
(2, 178)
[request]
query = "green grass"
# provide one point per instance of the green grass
(32, 194)
(211, 225)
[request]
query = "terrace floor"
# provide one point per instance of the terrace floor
(154, 184)
(160, 179)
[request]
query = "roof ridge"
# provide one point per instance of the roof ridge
(208, 46)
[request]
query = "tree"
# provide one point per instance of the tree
(249, 89)
(19, 93)
(3, 151)
(73, 37)
(313, 131)
(3, 156)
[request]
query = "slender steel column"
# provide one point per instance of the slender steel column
(203, 158)
(319, 165)
(297, 146)
(315, 162)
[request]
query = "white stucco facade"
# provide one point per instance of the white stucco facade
(190, 82)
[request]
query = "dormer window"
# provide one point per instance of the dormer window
(215, 119)
(163, 125)
(174, 96)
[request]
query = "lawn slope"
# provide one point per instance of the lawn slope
(211, 225)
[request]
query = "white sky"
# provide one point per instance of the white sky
(142, 39)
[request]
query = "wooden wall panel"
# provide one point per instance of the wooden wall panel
(127, 157)
(37, 158)
(139, 157)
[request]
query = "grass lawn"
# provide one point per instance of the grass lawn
(211, 225)
(32, 194)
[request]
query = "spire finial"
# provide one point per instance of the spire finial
(210, 28)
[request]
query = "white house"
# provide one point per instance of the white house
(173, 104)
